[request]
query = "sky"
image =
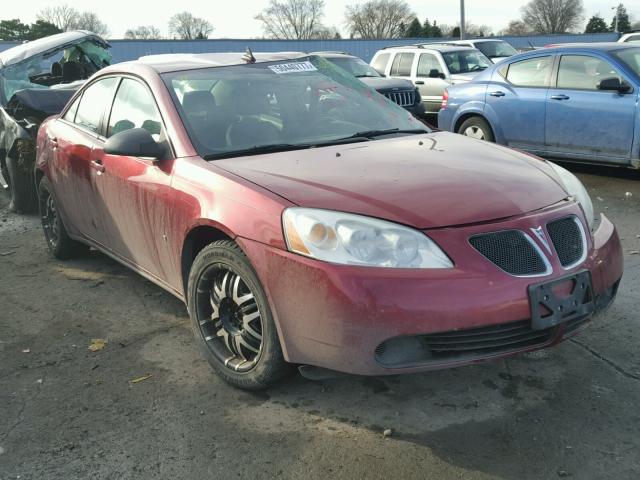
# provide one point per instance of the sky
(235, 18)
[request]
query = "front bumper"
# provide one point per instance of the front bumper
(337, 317)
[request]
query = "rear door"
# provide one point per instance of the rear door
(75, 138)
(430, 80)
(584, 122)
(135, 191)
(516, 99)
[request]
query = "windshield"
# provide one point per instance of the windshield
(496, 49)
(631, 58)
(355, 66)
(466, 61)
(303, 102)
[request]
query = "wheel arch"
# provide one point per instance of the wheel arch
(196, 239)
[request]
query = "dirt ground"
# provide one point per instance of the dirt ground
(69, 413)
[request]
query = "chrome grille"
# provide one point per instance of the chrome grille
(568, 240)
(404, 99)
(512, 251)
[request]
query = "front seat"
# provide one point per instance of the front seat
(250, 129)
(71, 71)
(207, 120)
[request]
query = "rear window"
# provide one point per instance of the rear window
(533, 72)
(496, 49)
(402, 65)
(380, 62)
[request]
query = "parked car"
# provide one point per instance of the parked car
(399, 91)
(306, 220)
(574, 102)
(494, 49)
(432, 68)
(37, 79)
(633, 36)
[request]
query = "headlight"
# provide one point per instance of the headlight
(577, 190)
(357, 240)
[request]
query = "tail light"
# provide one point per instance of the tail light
(445, 99)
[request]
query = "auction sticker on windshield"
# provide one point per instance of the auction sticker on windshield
(293, 67)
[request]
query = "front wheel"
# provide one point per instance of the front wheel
(231, 318)
(478, 128)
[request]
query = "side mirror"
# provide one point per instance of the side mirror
(435, 73)
(614, 85)
(135, 142)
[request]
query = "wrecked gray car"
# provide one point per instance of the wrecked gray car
(36, 80)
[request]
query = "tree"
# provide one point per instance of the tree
(517, 28)
(455, 32)
(13, 30)
(41, 29)
(184, 25)
(596, 24)
(414, 30)
(553, 16)
(427, 29)
(91, 22)
(478, 31)
(63, 16)
(143, 32)
(436, 31)
(624, 24)
(378, 18)
(292, 19)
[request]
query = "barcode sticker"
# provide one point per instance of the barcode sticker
(293, 67)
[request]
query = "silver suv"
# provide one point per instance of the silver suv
(431, 68)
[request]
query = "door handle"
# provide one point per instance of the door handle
(497, 94)
(97, 166)
(560, 97)
(419, 82)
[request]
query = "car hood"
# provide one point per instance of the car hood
(48, 46)
(383, 84)
(426, 181)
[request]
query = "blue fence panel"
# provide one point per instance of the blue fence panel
(123, 50)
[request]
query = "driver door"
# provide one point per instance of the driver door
(584, 122)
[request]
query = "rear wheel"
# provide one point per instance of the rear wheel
(18, 174)
(60, 244)
(478, 128)
(231, 318)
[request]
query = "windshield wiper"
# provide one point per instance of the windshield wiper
(257, 150)
(379, 133)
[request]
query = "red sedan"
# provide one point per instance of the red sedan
(305, 219)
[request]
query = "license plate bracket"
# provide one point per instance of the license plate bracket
(550, 308)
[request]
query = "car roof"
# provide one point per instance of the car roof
(173, 62)
(45, 45)
(603, 46)
(333, 54)
(475, 40)
(438, 47)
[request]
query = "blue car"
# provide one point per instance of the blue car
(573, 102)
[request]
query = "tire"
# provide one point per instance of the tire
(60, 244)
(231, 318)
(19, 177)
(478, 128)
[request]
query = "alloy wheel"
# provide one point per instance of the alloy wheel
(475, 132)
(50, 221)
(230, 320)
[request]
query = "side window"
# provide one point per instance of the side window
(70, 116)
(580, 72)
(534, 72)
(380, 63)
(402, 65)
(633, 38)
(93, 102)
(427, 63)
(134, 107)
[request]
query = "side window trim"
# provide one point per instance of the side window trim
(551, 75)
(109, 111)
(556, 71)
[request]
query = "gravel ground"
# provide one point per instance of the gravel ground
(69, 413)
